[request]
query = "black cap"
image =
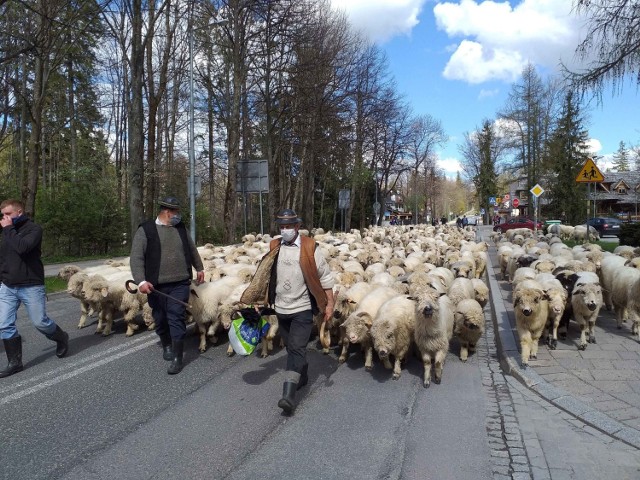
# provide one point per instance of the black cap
(170, 202)
(287, 216)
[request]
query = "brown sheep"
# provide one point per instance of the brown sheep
(468, 326)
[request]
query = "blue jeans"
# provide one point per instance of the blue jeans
(34, 299)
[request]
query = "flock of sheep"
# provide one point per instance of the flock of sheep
(553, 283)
(398, 289)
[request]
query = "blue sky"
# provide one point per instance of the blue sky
(457, 60)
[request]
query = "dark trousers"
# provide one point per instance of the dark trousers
(169, 315)
(296, 330)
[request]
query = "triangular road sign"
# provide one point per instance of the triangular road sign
(589, 173)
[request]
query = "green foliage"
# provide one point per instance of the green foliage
(81, 218)
(54, 284)
(606, 246)
(630, 234)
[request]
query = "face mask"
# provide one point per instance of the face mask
(173, 221)
(288, 234)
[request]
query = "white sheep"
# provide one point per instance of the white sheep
(205, 300)
(433, 331)
(392, 331)
(586, 300)
(531, 310)
(357, 325)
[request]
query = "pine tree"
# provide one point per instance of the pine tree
(621, 161)
(568, 152)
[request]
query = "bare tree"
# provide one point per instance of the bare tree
(613, 38)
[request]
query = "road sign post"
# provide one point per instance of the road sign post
(536, 191)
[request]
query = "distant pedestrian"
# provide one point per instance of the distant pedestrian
(443, 220)
(22, 277)
(465, 221)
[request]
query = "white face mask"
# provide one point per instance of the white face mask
(288, 234)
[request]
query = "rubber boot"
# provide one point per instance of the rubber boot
(176, 364)
(288, 401)
(304, 377)
(13, 348)
(62, 341)
(167, 349)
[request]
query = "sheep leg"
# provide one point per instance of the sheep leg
(464, 352)
(592, 335)
(534, 347)
(553, 341)
(397, 367)
(344, 352)
(211, 332)
(100, 325)
(202, 347)
(108, 323)
(368, 357)
(583, 337)
(525, 346)
(230, 351)
(84, 313)
(441, 355)
(620, 315)
(426, 361)
(387, 363)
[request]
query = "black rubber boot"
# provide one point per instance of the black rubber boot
(62, 341)
(304, 377)
(167, 349)
(13, 348)
(288, 401)
(176, 364)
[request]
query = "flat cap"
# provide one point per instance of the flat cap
(170, 202)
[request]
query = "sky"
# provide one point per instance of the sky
(457, 61)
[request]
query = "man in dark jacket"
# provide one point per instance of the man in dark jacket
(22, 276)
(162, 254)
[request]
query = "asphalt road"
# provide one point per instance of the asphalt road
(109, 410)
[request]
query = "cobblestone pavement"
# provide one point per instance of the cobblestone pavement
(573, 414)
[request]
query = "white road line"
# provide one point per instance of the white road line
(77, 371)
(66, 366)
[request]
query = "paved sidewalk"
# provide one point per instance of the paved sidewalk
(599, 386)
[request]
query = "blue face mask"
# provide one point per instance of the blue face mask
(173, 221)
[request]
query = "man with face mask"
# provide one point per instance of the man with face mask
(162, 254)
(22, 277)
(301, 286)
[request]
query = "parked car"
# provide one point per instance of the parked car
(517, 222)
(606, 225)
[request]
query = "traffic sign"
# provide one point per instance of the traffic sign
(537, 190)
(589, 173)
(515, 203)
(506, 204)
(506, 196)
(492, 200)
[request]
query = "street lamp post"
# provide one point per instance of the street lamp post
(192, 159)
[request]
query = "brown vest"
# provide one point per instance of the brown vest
(309, 272)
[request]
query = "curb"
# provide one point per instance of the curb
(509, 356)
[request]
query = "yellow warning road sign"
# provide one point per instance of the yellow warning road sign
(589, 173)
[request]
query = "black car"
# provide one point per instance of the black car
(606, 225)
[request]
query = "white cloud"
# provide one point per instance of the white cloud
(498, 39)
(380, 20)
(488, 93)
(594, 146)
(449, 165)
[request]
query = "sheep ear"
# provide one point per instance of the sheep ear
(104, 291)
(368, 321)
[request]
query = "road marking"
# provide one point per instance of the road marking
(76, 371)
